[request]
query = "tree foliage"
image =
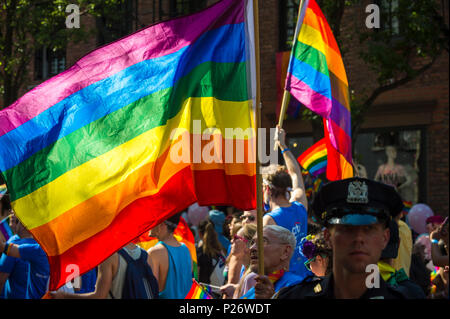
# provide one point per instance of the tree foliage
(27, 25)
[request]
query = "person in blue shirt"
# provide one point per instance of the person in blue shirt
(279, 245)
(218, 219)
(14, 271)
(286, 202)
(39, 268)
(170, 261)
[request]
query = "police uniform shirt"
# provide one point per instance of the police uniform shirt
(322, 288)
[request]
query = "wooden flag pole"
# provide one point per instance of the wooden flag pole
(259, 193)
(284, 102)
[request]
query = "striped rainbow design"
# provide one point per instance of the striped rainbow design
(314, 159)
(317, 78)
(88, 154)
(197, 292)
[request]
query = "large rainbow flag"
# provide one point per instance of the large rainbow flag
(317, 78)
(106, 150)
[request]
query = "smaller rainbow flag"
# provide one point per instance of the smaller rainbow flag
(5, 230)
(406, 206)
(197, 292)
(314, 159)
(3, 190)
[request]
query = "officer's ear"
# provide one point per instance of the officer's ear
(386, 236)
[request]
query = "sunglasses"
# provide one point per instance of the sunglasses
(250, 217)
(309, 261)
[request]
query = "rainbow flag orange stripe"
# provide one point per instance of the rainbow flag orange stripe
(316, 77)
(197, 292)
(109, 148)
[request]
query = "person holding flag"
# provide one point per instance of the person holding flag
(288, 212)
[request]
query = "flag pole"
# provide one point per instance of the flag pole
(259, 193)
(285, 100)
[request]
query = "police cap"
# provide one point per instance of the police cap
(356, 201)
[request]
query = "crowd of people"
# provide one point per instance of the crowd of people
(319, 247)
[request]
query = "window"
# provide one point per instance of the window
(180, 7)
(394, 157)
(287, 23)
(389, 18)
(48, 63)
(116, 22)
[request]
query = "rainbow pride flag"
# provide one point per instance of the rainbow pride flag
(197, 292)
(314, 159)
(182, 234)
(5, 230)
(316, 77)
(109, 148)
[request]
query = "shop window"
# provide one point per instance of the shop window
(393, 157)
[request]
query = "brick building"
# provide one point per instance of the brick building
(413, 117)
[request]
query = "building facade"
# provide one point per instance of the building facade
(407, 126)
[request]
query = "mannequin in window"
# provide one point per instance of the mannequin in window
(392, 173)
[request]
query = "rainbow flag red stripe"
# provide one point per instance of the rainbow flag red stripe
(317, 78)
(197, 292)
(314, 159)
(106, 150)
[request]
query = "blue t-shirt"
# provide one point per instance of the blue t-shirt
(16, 285)
(39, 269)
(288, 279)
(295, 219)
(88, 281)
(179, 276)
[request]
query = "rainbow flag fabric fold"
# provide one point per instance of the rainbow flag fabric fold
(314, 159)
(106, 150)
(316, 77)
(197, 292)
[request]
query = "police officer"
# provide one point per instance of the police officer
(356, 213)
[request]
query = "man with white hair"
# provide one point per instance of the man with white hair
(279, 246)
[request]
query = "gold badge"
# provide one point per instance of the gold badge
(358, 193)
(317, 288)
